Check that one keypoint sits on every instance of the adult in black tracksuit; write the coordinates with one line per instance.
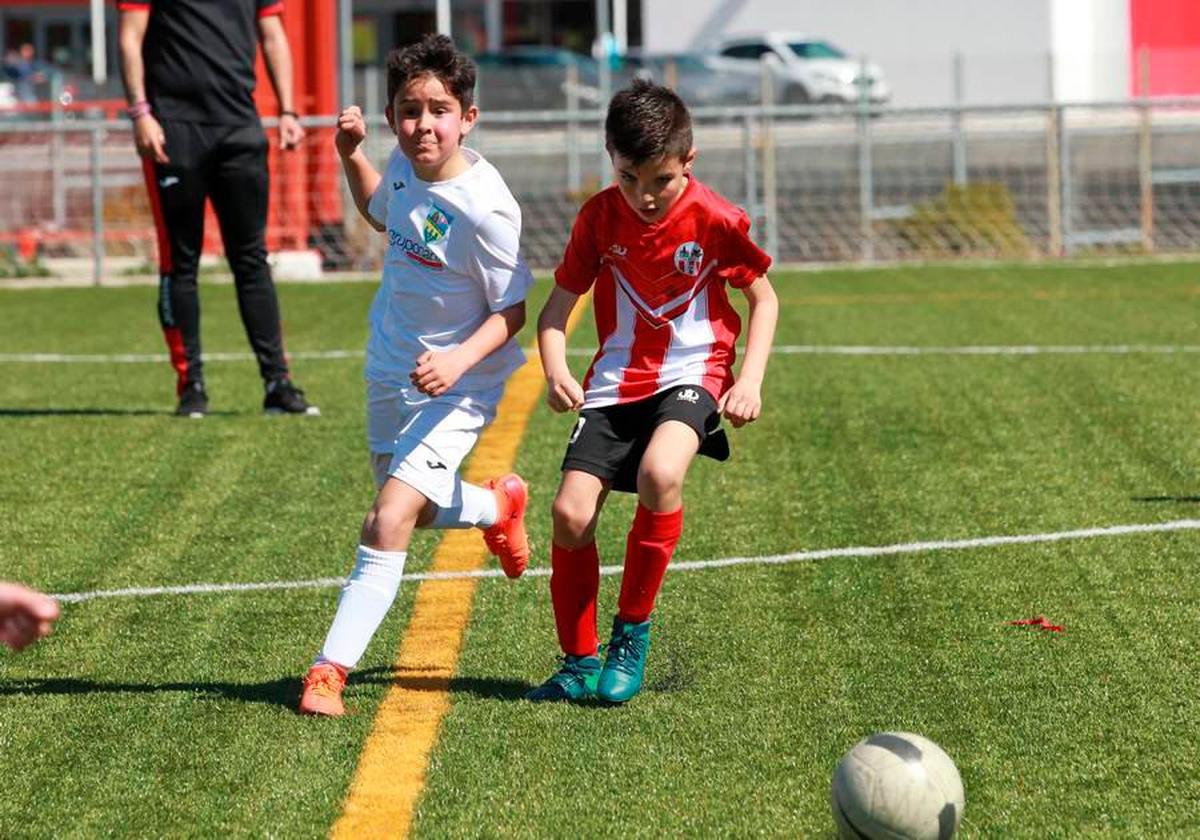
(188, 67)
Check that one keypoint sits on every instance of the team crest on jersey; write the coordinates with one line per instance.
(688, 258)
(437, 224)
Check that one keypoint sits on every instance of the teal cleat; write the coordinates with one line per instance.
(625, 662)
(575, 680)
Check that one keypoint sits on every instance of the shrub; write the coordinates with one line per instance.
(977, 219)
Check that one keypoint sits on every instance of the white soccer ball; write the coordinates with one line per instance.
(897, 785)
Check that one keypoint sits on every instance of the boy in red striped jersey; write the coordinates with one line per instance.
(657, 250)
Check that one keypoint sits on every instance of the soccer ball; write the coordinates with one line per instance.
(897, 785)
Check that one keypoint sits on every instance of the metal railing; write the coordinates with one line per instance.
(821, 183)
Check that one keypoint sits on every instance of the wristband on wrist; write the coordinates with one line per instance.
(138, 110)
(292, 114)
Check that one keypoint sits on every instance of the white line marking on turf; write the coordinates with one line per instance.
(683, 566)
(781, 349)
(157, 358)
(984, 350)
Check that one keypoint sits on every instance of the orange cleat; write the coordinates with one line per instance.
(323, 690)
(506, 539)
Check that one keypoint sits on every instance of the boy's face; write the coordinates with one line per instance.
(429, 124)
(653, 186)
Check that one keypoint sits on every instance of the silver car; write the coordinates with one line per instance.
(698, 78)
(805, 69)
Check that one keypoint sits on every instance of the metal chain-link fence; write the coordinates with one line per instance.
(821, 184)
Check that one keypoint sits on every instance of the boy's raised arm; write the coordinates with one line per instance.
(563, 393)
(361, 175)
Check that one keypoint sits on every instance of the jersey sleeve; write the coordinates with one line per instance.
(581, 260)
(743, 262)
(266, 8)
(377, 205)
(495, 260)
(133, 5)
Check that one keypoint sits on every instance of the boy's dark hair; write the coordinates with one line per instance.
(433, 55)
(647, 121)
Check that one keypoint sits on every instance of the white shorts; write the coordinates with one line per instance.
(425, 444)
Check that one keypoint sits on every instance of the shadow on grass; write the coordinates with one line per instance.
(487, 688)
(284, 691)
(1177, 499)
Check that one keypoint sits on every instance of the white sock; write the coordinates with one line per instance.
(473, 507)
(365, 600)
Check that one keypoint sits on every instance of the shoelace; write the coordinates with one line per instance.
(284, 387)
(569, 673)
(626, 647)
(325, 683)
(496, 541)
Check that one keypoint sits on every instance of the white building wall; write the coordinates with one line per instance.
(1091, 49)
(1005, 46)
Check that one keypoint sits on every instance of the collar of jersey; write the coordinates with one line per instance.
(473, 158)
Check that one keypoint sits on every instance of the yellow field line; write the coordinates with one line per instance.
(391, 770)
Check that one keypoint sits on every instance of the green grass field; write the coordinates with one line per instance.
(172, 715)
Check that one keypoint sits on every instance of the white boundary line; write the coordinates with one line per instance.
(781, 349)
(686, 566)
(158, 358)
(984, 350)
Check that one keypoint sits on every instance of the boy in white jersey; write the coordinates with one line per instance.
(441, 343)
(657, 250)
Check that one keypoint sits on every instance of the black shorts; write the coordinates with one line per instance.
(609, 442)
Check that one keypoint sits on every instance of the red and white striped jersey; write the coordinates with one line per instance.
(663, 316)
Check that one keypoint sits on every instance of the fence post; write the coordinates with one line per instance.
(1066, 198)
(960, 140)
(750, 168)
(97, 166)
(57, 175)
(370, 76)
(574, 164)
(1145, 151)
(770, 186)
(603, 54)
(1054, 126)
(866, 183)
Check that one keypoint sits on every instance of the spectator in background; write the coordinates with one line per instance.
(25, 615)
(24, 70)
(188, 68)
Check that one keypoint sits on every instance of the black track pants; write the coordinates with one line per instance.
(227, 164)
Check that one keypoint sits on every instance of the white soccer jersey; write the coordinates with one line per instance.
(452, 260)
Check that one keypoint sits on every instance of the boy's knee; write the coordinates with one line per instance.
(385, 526)
(573, 523)
(659, 480)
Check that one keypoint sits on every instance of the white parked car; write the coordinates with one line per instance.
(806, 69)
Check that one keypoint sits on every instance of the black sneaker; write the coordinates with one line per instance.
(285, 398)
(193, 401)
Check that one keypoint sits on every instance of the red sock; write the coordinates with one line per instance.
(574, 585)
(648, 549)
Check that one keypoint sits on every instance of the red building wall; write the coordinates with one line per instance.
(305, 193)
(1168, 32)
